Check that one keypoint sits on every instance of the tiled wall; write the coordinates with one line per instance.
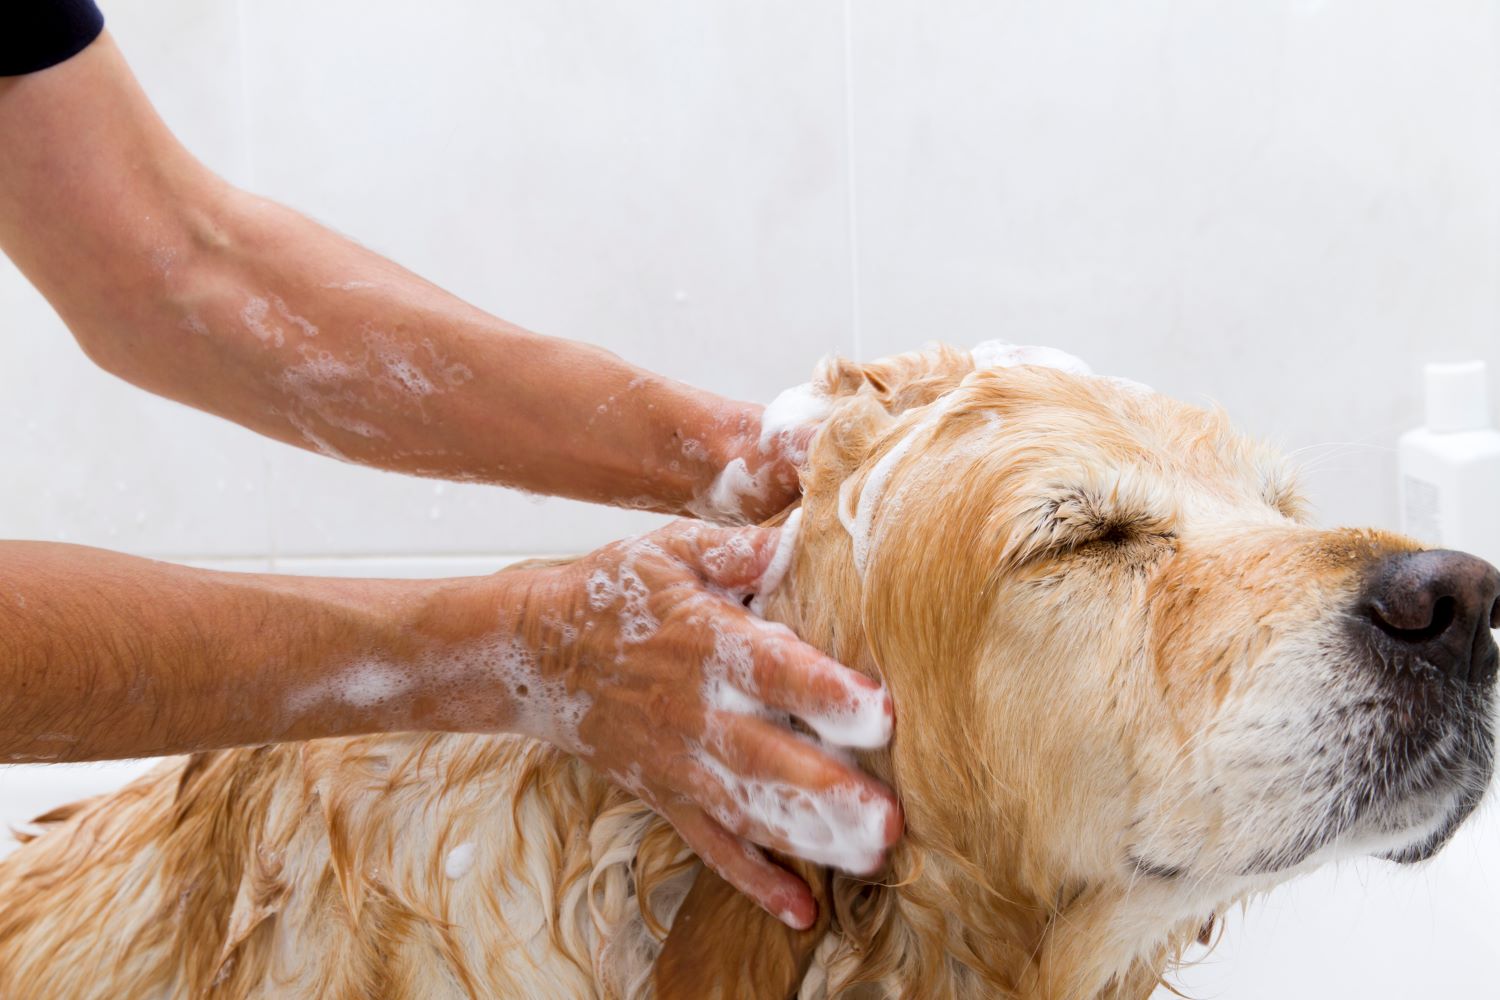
(1281, 206)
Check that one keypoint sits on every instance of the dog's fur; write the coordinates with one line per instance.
(1126, 694)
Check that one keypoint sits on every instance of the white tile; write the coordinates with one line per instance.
(665, 179)
(1283, 207)
(186, 54)
(324, 507)
(88, 458)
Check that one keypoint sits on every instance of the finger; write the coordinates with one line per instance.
(844, 707)
(732, 558)
(776, 890)
(759, 780)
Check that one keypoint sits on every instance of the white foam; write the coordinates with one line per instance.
(842, 826)
(637, 623)
(543, 707)
(717, 559)
(363, 685)
(864, 724)
(395, 361)
(793, 921)
(861, 520)
(253, 315)
(794, 408)
(780, 563)
(725, 499)
(998, 354)
(464, 678)
(307, 328)
(460, 860)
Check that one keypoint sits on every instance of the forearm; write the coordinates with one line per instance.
(179, 283)
(104, 655)
(288, 328)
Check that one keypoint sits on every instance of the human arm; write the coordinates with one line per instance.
(178, 282)
(638, 659)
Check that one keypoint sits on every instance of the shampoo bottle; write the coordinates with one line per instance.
(1450, 469)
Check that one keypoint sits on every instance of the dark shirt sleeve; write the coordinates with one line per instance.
(35, 34)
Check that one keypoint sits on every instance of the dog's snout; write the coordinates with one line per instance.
(1438, 607)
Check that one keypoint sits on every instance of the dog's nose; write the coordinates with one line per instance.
(1438, 608)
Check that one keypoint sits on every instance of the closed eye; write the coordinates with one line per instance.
(1072, 518)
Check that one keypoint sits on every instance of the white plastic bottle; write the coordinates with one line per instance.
(1450, 469)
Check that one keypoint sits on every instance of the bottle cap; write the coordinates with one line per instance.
(1457, 397)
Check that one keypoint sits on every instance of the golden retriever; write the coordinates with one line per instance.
(1133, 685)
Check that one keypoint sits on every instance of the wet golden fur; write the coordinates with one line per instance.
(1068, 581)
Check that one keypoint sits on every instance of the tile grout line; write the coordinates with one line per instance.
(849, 178)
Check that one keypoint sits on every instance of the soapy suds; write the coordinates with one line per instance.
(794, 408)
(998, 354)
(254, 315)
(725, 500)
(729, 682)
(326, 387)
(861, 520)
(348, 286)
(841, 826)
(399, 370)
(307, 328)
(463, 679)
(363, 685)
(459, 861)
(780, 562)
(636, 621)
(194, 324)
(717, 559)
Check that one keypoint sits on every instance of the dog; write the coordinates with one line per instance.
(1133, 684)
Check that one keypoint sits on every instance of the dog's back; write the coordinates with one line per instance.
(344, 868)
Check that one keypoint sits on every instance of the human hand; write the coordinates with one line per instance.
(652, 670)
(761, 451)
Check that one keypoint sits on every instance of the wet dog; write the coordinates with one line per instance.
(1133, 685)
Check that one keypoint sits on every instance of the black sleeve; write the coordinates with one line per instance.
(35, 34)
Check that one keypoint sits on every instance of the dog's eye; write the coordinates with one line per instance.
(1075, 518)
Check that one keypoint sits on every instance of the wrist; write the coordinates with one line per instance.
(476, 652)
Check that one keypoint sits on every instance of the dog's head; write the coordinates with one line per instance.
(1132, 681)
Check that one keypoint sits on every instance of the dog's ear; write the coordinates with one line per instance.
(867, 397)
(724, 947)
(898, 382)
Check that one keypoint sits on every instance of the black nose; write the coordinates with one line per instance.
(1436, 610)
